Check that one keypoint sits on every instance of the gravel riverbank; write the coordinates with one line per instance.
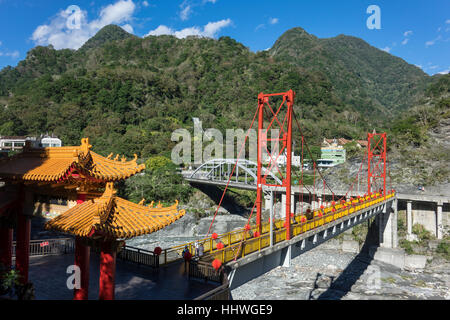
(333, 274)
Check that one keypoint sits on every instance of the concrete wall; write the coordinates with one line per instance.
(425, 213)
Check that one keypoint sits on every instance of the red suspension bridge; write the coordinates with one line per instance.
(275, 242)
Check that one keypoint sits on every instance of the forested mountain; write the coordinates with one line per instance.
(128, 93)
(373, 81)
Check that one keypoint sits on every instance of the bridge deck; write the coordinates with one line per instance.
(240, 243)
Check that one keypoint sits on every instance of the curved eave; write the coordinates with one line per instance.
(126, 219)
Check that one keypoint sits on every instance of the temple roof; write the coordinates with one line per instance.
(113, 217)
(57, 163)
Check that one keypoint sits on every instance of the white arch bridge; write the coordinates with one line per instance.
(218, 171)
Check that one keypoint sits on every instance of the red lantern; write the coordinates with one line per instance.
(308, 210)
(333, 209)
(319, 214)
(214, 236)
(216, 264)
(321, 207)
(333, 203)
(247, 227)
(157, 251)
(219, 246)
(256, 234)
(303, 219)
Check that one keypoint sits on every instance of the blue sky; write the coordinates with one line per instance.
(417, 31)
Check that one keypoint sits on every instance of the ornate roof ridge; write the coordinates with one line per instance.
(52, 163)
(112, 216)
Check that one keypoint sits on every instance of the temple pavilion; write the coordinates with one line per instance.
(76, 186)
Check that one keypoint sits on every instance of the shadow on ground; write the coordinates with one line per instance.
(343, 283)
(228, 203)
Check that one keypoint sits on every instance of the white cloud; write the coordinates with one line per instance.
(59, 33)
(14, 54)
(273, 20)
(445, 71)
(212, 28)
(212, 1)
(184, 14)
(160, 31)
(209, 30)
(387, 49)
(260, 26)
(432, 42)
(408, 33)
(447, 21)
(145, 3)
(119, 12)
(128, 28)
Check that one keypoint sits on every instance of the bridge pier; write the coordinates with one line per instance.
(409, 235)
(387, 224)
(439, 225)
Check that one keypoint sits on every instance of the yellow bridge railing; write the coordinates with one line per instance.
(239, 243)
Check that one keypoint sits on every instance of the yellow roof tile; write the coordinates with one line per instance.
(55, 163)
(114, 217)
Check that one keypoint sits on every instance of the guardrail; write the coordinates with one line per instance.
(253, 244)
(45, 247)
(233, 241)
(203, 270)
(207, 272)
(139, 256)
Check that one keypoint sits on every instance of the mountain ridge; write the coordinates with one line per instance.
(354, 65)
(122, 90)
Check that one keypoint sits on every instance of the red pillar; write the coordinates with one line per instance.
(259, 161)
(23, 246)
(107, 270)
(369, 157)
(384, 165)
(290, 104)
(82, 253)
(6, 237)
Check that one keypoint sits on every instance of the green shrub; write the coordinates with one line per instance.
(444, 249)
(407, 245)
(421, 232)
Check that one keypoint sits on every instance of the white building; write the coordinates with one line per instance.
(15, 143)
(50, 142)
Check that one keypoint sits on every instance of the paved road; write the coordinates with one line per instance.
(133, 282)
